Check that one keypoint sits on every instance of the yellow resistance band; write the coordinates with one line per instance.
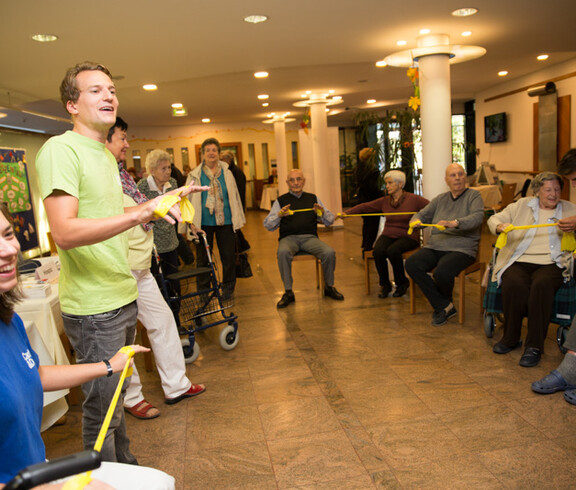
(290, 212)
(568, 242)
(419, 223)
(166, 203)
(78, 482)
(340, 215)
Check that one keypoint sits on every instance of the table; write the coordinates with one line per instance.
(269, 195)
(491, 194)
(55, 405)
(45, 314)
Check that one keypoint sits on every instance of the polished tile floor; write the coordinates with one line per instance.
(352, 394)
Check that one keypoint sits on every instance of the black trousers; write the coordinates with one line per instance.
(437, 288)
(392, 249)
(226, 241)
(528, 291)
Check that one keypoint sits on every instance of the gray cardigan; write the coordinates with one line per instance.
(468, 209)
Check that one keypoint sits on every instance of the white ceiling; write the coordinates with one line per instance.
(202, 54)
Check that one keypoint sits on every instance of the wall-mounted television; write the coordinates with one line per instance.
(495, 128)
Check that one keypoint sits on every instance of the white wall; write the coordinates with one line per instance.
(516, 152)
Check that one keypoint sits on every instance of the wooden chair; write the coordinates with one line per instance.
(461, 281)
(319, 274)
(508, 193)
(369, 256)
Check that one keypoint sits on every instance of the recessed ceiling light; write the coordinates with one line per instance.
(265, 104)
(308, 92)
(465, 12)
(177, 105)
(542, 57)
(44, 38)
(181, 112)
(502, 73)
(150, 86)
(424, 31)
(206, 120)
(261, 74)
(337, 97)
(381, 63)
(331, 91)
(255, 19)
(263, 96)
(371, 101)
(467, 33)
(401, 43)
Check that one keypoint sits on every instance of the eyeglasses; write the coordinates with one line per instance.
(296, 179)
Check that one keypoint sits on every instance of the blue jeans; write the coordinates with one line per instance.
(94, 338)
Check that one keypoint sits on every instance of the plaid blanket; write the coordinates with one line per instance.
(564, 302)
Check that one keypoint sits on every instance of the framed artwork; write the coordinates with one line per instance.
(235, 148)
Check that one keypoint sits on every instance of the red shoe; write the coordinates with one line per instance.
(143, 410)
(193, 391)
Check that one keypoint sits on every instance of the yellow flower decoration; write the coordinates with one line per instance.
(414, 103)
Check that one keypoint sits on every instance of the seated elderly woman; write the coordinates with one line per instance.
(394, 240)
(158, 182)
(531, 267)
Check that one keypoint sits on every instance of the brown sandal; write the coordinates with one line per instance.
(143, 410)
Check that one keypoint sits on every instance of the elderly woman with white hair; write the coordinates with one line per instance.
(394, 239)
(159, 182)
(532, 266)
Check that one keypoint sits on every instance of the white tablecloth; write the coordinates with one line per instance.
(45, 314)
(269, 195)
(54, 402)
(491, 194)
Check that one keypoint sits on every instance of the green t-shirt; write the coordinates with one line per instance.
(93, 278)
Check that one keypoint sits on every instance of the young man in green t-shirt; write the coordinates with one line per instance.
(82, 195)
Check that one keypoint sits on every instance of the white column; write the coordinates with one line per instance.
(319, 123)
(281, 156)
(435, 116)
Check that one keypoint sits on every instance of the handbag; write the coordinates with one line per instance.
(243, 268)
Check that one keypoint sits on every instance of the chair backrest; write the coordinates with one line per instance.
(508, 192)
(524, 190)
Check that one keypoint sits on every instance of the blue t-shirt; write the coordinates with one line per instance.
(21, 402)
(207, 218)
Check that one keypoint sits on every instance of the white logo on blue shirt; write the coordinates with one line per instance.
(28, 358)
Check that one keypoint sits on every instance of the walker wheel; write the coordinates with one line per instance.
(190, 353)
(489, 325)
(561, 338)
(229, 337)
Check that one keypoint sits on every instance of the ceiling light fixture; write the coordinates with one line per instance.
(261, 74)
(177, 105)
(150, 87)
(542, 57)
(263, 96)
(381, 63)
(180, 112)
(467, 33)
(401, 43)
(465, 12)
(423, 32)
(265, 104)
(45, 38)
(502, 73)
(206, 120)
(255, 19)
(371, 101)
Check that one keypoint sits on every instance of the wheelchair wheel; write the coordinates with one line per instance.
(191, 353)
(229, 337)
(561, 333)
(489, 324)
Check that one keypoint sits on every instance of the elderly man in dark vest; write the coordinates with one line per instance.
(297, 214)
